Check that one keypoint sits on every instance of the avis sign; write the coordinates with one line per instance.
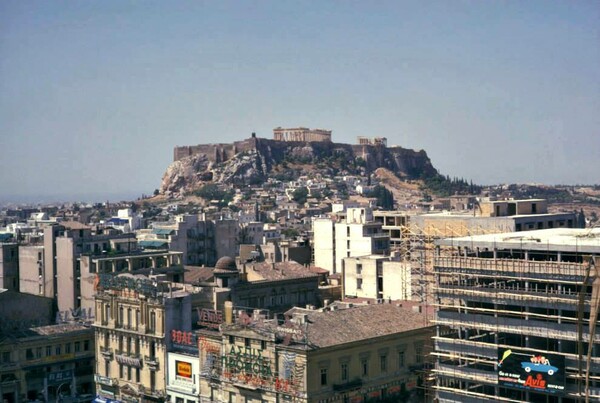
(524, 370)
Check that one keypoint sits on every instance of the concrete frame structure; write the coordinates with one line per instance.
(533, 294)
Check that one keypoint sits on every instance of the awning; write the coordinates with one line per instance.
(153, 244)
(162, 231)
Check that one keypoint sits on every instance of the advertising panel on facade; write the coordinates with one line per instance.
(183, 369)
(532, 371)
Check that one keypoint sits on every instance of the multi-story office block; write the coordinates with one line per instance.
(517, 318)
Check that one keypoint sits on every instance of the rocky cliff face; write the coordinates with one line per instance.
(255, 164)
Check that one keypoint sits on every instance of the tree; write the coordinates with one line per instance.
(385, 198)
(299, 195)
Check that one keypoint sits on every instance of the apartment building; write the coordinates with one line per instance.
(517, 318)
(355, 234)
(376, 277)
(9, 266)
(54, 269)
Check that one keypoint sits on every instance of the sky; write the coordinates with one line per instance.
(94, 95)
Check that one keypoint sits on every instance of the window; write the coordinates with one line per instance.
(121, 371)
(137, 375)
(178, 400)
(106, 368)
(247, 343)
(86, 345)
(29, 354)
(419, 354)
(120, 316)
(400, 359)
(57, 350)
(121, 343)
(263, 345)
(383, 363)
(344, 371)
(359, 283)
(128, 373)
(129, 322)
(38, 352)
(323, 376)
(231, 340)
(137, 318)
(365, 367)
(48, 351)
(359, 268)
(152, 321)
(77, 346)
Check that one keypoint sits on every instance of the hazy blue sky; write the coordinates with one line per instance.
(95, 94)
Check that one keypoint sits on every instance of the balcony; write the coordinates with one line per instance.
(350, 385)
(151, 362)
(106, 352)
(130, 359)
(104, 380)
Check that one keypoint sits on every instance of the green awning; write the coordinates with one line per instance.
(163, 231)
(153, 244)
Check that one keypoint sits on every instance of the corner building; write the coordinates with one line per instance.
(343, 354)
(134, 314)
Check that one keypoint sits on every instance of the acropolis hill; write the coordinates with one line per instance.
(253, 159)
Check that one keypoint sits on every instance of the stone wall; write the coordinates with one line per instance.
(215, 152)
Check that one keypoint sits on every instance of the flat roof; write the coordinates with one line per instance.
(579, 240)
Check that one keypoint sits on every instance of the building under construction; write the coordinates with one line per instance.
(516, 317)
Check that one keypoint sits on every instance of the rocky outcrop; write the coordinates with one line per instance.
(256, 162)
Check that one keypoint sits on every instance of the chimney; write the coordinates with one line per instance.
(228, 312)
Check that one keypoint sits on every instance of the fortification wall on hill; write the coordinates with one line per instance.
(215, 152)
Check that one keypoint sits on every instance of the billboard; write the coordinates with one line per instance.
(183, 369)
(520, 369)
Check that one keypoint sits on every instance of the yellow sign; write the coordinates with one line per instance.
(184, 369)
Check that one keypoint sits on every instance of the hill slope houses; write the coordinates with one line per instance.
(255, 159)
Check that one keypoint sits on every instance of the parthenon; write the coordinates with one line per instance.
(301, 134)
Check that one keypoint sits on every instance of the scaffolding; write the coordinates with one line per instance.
(486, 305)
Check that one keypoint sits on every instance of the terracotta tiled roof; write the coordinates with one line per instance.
(360, 323)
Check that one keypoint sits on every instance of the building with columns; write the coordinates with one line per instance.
(302, 134)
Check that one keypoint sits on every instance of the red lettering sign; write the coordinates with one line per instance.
(179, 337)
(538, 382)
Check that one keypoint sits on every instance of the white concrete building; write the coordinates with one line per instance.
(376, 277)
(354, 235)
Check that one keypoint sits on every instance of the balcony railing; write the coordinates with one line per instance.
(106, 352)
(151, 362)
